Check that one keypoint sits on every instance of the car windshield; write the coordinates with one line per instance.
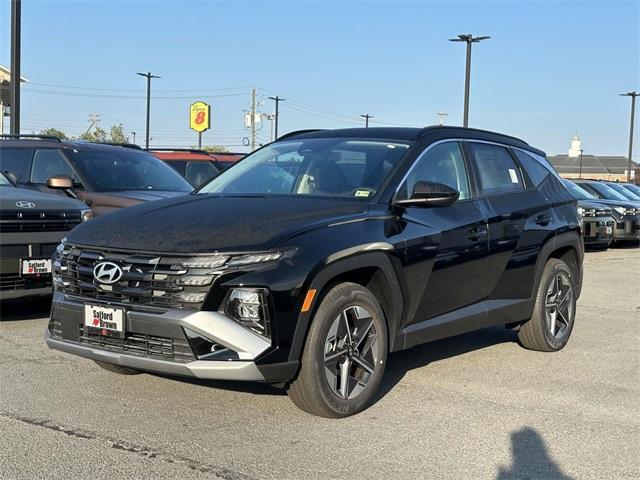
(605, 191)
(331, 167)
(578, 192)
(4, 181)
(119, 169)
(624, 192)
(634, 188)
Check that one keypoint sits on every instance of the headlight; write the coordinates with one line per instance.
(212, 261)
(86, 214)
(57, 266)
(250, 259)
(620, 210)
(580, 211)
(249, 308)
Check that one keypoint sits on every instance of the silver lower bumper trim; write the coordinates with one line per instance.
(205, 369)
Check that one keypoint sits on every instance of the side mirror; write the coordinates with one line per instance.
(12, 177)
(430, 194)
(62, 182)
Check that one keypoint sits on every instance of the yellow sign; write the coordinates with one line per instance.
(200, 117)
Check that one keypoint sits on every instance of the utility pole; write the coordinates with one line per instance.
(633, 96)
(277, 99)
(468, 39)
(442, 115)
(15, 66)
(94, 119)
(580, 171)
(366, 117)
(134, 137)
(253, 119)
(148, 76)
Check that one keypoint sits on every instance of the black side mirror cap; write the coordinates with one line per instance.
(430, 194)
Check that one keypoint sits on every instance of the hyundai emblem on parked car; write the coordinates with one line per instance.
(25, 204)
(107, 272)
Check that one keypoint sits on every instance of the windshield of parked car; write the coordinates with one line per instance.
(330, 167)
(634, 188)
(605, 191)
(112, 169)
(624, 192)
(4, 181)
(578, 192)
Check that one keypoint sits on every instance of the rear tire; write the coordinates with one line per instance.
(117, 368)
(344, 356)
(554, 312)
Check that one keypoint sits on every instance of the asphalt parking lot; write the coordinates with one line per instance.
(477, 406)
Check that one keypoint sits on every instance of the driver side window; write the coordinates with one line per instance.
(48, 163)
(444, 164)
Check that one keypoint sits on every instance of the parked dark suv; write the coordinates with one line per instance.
(105, 177)
(311, 259)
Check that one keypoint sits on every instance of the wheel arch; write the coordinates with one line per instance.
(374, 271)
(567, 247)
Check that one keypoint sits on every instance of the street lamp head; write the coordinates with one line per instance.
(467, 37)
(630, 94)
(478, 39)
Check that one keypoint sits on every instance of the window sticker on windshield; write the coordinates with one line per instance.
(362, 193)
(513, 175)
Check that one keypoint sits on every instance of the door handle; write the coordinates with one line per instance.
(543, 220)
(476, 234)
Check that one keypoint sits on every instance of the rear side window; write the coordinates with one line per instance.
(17, 161)
(537, 173)
(177, 165)
(48, 163)
(197, 172)
(497, 171)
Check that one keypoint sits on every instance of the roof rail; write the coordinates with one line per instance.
(30, 136)
(119, 144)
(431, 128)
(298, 132)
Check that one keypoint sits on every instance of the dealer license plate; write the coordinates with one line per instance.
(609, 230)
(34, 266)
(104, 320)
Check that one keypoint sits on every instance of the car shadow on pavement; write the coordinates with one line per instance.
(255, 388)
(530, 459)
(399, 363)
(33, 308)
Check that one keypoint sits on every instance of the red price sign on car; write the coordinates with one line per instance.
(199, 117)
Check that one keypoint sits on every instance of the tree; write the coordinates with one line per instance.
(54, 132)
(96, 135)
(117, 135)
(214, 149)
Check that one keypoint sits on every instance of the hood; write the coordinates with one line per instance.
(208, 223)
(43, 201)
(589, 204)
(617, 203)
(145, 195)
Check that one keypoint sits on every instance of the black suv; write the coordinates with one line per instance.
(311, 259)
(31, 227)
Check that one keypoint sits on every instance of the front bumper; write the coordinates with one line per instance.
(598, 230)
(627, 229)
(149, 329)
(25, 293)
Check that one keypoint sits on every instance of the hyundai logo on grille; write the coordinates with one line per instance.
(107, 272)
(25, 204)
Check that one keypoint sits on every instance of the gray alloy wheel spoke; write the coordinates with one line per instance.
(559, 305)
(350, 352)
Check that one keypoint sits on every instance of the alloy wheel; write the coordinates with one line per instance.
(559, 305)
(351, 352)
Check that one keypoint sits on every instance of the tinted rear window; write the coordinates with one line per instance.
(17, 161)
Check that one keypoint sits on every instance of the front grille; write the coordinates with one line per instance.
(153, 280)
(38, 221)
(137, 344)
(13, 281)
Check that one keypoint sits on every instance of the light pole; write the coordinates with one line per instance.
(148, 76)
(134, 137)
(366, 117)
(633, 96)
(277, 99)
(469, 39)
(580, 171)
(14, 101)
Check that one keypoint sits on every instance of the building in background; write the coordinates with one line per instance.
(577, 164)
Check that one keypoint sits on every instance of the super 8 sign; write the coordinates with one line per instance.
(199, 116)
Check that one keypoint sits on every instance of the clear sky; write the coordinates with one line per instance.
(550, 69)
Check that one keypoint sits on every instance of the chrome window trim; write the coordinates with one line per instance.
(458, 140)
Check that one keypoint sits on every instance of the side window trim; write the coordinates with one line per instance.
(467, 166)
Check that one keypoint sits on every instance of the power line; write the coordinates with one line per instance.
(97, 95)
(78, 87)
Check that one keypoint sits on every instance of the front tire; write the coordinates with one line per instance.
(344, 356)
(554, 312)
